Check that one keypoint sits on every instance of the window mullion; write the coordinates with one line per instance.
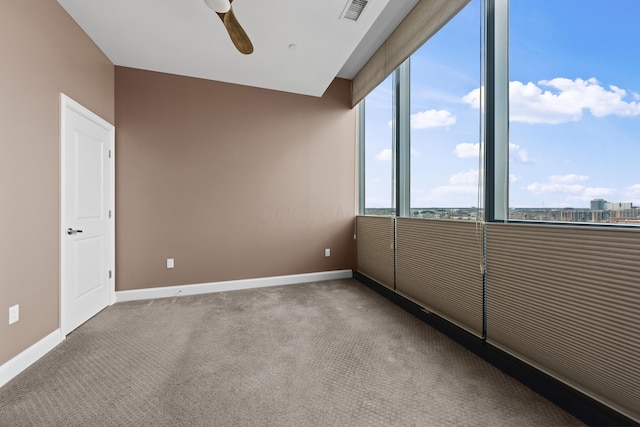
(402, 134)
(497, 112)
(361, 158)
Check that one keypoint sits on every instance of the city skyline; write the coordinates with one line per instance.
(600, 211)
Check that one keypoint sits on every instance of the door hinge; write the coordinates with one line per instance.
(109, 153)
(109, 214)
(109, 274)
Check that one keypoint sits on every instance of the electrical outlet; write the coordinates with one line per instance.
(327, 252)
(170, 263)
(14, 314)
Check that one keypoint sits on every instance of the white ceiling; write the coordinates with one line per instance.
(185, 37)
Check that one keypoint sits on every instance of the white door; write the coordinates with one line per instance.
(87, 232)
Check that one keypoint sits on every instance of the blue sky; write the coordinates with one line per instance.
(574, 100)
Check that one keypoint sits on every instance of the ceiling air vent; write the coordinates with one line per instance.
(354, 9)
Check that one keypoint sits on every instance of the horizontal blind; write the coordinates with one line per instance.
(567, 300)
(439, 265)
(424, 20)
(375, 245)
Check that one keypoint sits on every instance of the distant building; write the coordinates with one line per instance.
(598, 204)
(617, 206)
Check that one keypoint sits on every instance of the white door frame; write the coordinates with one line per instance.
(67, 103)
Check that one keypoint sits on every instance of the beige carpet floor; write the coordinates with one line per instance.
(330, 353)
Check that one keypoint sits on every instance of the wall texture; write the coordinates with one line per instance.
(233, 182)
(42, 52)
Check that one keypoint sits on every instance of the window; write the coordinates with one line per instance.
(574, 120)
(422, 128)
(378, 150)
(445, 121)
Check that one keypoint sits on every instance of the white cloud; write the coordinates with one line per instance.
(563, 100)
(431, 119)
(445, 190)
(474, 98)
(633, 189)
(461, 190)
(632, 193)
(567, 179)
(513, 178)
(560, 184)
(469, 177)
(597, 192)
(518, 154)
(378, 202)
(571, 186)
(460, 183)
(591, 193)
(384, 155)
(467, 150)
(555, 187)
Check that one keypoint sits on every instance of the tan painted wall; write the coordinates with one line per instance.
(42, 52)
(233, 182)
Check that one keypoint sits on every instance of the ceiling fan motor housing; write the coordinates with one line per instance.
(220, 6)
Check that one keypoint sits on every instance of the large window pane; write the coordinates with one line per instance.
(574, 111)
(378, 148)
(445, 120)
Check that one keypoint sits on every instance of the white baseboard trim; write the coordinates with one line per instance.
(231, 285)
(29, 356)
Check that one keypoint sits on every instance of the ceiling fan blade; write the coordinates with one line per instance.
(236, 32)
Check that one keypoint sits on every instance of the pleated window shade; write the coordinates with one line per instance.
(439, 266)
(567, 300)
(375, 245)
(424, 20)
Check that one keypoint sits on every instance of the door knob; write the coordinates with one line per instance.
(72, 231)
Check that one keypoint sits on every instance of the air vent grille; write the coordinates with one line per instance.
(354, 9)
